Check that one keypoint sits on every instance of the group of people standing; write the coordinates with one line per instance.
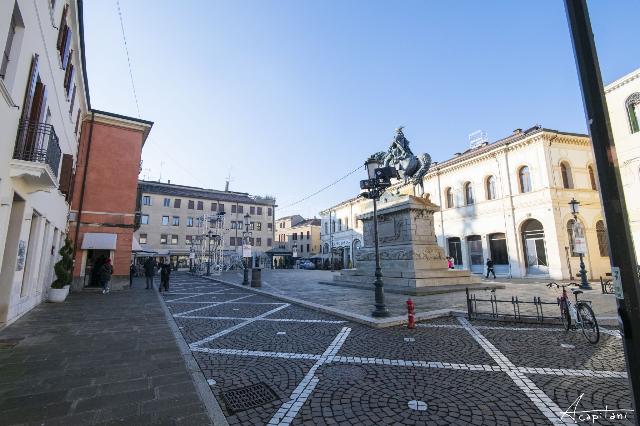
(150, 266)
(490, 268)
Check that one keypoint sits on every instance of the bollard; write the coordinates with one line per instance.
(245, 278)
(411, 323)
(256, 274)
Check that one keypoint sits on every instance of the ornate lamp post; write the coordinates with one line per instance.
(209, 238)
(379, 180)
(245, 239)
(575, 209)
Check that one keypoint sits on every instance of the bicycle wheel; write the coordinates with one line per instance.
(564, 315)
(588, 323)
(608, 287)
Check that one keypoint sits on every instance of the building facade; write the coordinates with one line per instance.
(298, 236)
(623, 103)
(341, 231)
(104, 195)
(44, 96)
(175, 218)
(508, 201)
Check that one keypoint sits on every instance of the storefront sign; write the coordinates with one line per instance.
(579, 240)
(246, 250)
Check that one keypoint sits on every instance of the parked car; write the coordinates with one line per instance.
(307, 264)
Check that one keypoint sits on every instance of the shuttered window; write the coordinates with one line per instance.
(66, 176)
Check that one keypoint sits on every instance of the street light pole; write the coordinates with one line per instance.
(584, 284)
(621, 250)
(381, 309)
(245, 238)
(331, 240)
(209, 236)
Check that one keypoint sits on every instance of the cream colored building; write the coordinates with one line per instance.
(174, 216)
(507, 200)
(342, 232)
(297, 234)
(623, 102)
(43, 95)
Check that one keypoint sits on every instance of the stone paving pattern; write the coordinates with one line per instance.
(97, 359)
(479, 372)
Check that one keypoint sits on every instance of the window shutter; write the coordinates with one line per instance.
(70, 81)
(66, 52)
(31, 88)
(66, 175)
(61, 28)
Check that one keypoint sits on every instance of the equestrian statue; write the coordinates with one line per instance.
(399, 155)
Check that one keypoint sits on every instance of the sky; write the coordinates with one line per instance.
(289, 96)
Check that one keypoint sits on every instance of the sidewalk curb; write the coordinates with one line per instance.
(362, 319)
(202, 387)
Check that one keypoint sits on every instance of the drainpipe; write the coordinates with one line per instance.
(84, 181)
(513, 218)
(444, 245)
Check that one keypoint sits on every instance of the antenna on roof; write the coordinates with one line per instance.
(228, 180)
(477, 138)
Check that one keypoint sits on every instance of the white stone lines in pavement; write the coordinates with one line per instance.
(244, 352)
(614, 333)
(264, 319)
(194, 295)
(213, 301)
(550, 409)
(235, 327)
(288, 411)
(212, 304)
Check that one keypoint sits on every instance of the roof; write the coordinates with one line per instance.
(307, 222)
(288, 217)
(161, 188)
(625, 79)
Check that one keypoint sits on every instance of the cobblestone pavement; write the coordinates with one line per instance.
(320, 369)
(96, 359)
(305, 285)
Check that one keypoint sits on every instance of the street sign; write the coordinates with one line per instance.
(246, 250)
(579, 240)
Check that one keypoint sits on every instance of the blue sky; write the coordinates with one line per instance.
(287, 96)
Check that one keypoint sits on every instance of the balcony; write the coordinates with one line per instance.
(36, 157)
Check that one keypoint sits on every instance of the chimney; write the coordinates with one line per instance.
(169, 181)
(226, 186)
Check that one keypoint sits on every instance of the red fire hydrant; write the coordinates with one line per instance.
(410, 309)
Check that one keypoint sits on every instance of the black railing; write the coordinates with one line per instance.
(38, 142)
(509, 310)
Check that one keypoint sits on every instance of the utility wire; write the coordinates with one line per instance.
(321, 189)
(126, 49)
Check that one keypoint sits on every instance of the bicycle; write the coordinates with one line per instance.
(580, 313)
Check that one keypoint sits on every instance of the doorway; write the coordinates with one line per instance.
(474, 245)
(535, 251)
(455, 251)
(95, 259)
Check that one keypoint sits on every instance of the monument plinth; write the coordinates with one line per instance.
(410, 256)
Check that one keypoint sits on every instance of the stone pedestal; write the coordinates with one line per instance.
(410, 256)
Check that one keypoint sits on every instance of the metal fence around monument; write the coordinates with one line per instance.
(514, 309)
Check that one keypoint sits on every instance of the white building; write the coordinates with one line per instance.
(508, 201)
(43, 97)
(340, 230)
(623, 102)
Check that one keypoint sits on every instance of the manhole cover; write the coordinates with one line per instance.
(343, 373)
(249, 397)
(10, 342)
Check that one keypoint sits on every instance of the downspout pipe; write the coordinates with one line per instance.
(84, 184)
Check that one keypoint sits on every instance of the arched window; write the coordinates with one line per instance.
(325, 249)
(448, 195)
(592, 178)
(524, 178)
(468, 193)
(491, 188)
(567, 179)
(603, 240)
(633, 111)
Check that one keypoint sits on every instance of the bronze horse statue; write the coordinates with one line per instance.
(399, 155)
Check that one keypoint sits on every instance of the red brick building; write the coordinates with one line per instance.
(103, 204)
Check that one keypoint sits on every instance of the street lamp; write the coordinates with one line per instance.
(379, 180)
(210, 237)
(245, 239)
(575, 209)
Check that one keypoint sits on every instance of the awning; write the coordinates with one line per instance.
(135, 245)
(95, 241)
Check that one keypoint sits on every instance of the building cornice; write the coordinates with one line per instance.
(622, 81)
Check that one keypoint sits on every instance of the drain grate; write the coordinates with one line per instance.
(10, 342)
(249, 397)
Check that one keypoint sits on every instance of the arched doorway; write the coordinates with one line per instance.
(356, 245)
(535, 250)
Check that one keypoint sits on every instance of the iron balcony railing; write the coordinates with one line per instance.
(38, 142)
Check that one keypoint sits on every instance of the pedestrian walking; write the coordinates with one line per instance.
(132, 273)
(106, 270)
(490, 268)
(165, 271)
(450, 262)
(149, 272)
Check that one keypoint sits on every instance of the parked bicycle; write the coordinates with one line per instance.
(578, 314)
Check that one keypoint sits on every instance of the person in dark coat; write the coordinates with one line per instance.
(132, 273)
(165, 271)
(106, 270)
(490, 268)
(149, 272)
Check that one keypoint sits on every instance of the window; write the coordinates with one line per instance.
(252, 210)
(592, 178)
(220, 208)
(187, 240)
(326, 228)
(73, 100)
(166, 202)
(269, 242)
(146, 200)
(176, 203)
(143, 239)
(308, 235)
(294, 236)
(259, 241)
(448, 196)
(232, 241)
(346, 223)
(468, 193)
(307, 248)
(258, 226)
(524, 178)
(301, 248)
(491, 188)
(214, 207)
(189, 221)
(333, 226)
(165, 220)
(567, 179)
(603, 239)
(240, 209)
(68, 76)
(339, 224)
(498, 249)
(163, 238)
(174, 239)
(251, 241)
(233, 208)
(633, 112)
(176, 221)
(270, 226)
(252, 226)
(259, 210)
(269, 211)
(200, 205)
(144, 219)
(199, 221)
(191, 204)
(233, 225)
(63, 43)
